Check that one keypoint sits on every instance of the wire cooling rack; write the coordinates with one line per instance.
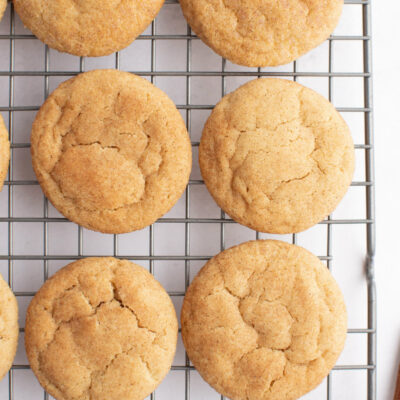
(35, 240)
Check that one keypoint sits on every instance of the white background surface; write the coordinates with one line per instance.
(386, 35)
(348, 243)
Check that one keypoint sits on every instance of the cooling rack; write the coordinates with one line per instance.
(35, 240)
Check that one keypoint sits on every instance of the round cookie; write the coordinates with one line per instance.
(87, 27)
(264, 320)
(3, 6)
(4, 152)
(99, 329)
(111, 151)
(276, 156)
(8, 327)
(263, 32)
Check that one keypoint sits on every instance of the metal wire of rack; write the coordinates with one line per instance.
(187, 220)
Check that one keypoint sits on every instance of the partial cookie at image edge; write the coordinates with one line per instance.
(3, 6)
(89, 28)
(266, 33)
(101, 328)
(264, 320)
(4, 152)
(9, 329)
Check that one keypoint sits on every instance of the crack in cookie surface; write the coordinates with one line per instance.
(264, 320)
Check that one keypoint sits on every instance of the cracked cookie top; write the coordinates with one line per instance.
(101, 329)
(259, 33)
(8, 327)
(276, 156)
(87, 27)
(264, 320)
(111, 151)
(4, 152)
(3, 6)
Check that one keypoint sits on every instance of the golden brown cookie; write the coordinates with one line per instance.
(3, 6)
(264, 320)
(111, 151)
(276, 156)
(8, 327)
(101, 329)
(263, 32)
(4, 152)
(87, 27)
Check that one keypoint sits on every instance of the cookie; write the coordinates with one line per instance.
(8, 327)
(264, 32)
(264, 320)
(99, 329)
(276, 156)
(4, 152)
(87, 27)
(3, 6)
(111, 151)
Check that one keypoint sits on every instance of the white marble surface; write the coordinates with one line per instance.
(348, 241)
